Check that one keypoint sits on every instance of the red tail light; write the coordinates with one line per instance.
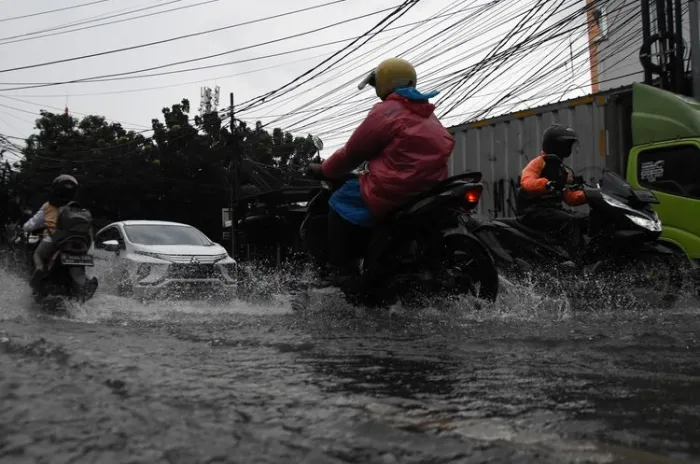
(473, 196)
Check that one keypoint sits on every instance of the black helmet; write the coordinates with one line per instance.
(558, 140)
(64, 187)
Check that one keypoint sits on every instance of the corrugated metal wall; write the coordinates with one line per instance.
(501, 147)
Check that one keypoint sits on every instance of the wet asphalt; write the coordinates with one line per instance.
(525, 381)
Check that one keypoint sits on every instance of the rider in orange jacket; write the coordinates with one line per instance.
(543, 187)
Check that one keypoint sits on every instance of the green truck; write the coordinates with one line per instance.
(665, 158)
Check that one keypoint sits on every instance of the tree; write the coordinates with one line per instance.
(182, 173)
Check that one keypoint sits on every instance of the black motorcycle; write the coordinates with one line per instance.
(66, 276)
(620, 244)
(423, 249)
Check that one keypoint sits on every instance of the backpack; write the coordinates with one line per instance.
(73, 221)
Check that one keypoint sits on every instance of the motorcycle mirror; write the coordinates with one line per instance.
(318, 143)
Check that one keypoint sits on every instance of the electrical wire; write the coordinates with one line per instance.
(441, 50)
(341, 91)
(383, 24)
(181, 84)
(535, 44)
(73, 7)
(249, 47)
(278, 121)
(421, 22)
(39, 34)
(171, 39)
(124, 123)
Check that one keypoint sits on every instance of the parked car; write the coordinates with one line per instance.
(156, 259)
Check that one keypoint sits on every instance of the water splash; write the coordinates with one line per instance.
(16, 296)
(268, 292)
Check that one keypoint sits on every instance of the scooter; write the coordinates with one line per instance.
(423, 249)
(620, 239)
(66, 272)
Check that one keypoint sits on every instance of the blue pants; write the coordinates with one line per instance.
(347, 201)
(350, 226)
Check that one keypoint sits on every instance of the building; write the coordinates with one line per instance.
(615, 37)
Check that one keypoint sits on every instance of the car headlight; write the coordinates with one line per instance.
(648, 224)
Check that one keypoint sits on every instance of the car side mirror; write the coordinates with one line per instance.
(111, 245)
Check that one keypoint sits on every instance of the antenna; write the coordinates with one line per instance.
(216, 97)
(205, 101)
(208, 103)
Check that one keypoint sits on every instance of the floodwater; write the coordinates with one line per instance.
(525, 381)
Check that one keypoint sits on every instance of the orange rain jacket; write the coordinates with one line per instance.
(534, 182)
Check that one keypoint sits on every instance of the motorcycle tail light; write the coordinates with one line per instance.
(473, 195)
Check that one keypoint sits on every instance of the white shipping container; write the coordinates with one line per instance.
(501, 147)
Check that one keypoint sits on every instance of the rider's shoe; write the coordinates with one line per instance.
(36, 279)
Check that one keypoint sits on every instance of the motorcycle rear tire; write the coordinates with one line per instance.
(483, 272)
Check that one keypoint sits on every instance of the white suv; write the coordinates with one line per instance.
(154, 259)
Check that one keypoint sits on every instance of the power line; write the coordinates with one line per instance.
(75, 112)
(475, 32)
(540, 4)
(341, 92)
(248, 47)
(426, 44)
(171, 39)
(62, 95)
(40, 84)
(95, 2)
(36, 34)
(521, 48)
(181, 84)
(400, 10)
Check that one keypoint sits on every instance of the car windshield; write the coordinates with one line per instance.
(165, 235)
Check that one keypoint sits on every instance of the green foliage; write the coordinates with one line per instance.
(182, 173)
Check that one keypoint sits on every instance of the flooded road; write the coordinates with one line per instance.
(523, 382)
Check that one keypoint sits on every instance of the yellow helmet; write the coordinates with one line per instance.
(390, 75)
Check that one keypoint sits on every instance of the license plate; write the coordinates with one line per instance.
(645, 196)
(76, 260)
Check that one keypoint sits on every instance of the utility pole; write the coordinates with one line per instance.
(681, 86)
(694, 9)
(646, 33)
(234, 181)
(663, 50)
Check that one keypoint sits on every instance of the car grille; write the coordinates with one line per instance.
(187, 259)
(193, 271)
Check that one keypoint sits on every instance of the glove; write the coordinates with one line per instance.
(554, 186)
(314, 170)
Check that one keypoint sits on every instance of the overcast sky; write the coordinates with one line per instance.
(134, 102)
